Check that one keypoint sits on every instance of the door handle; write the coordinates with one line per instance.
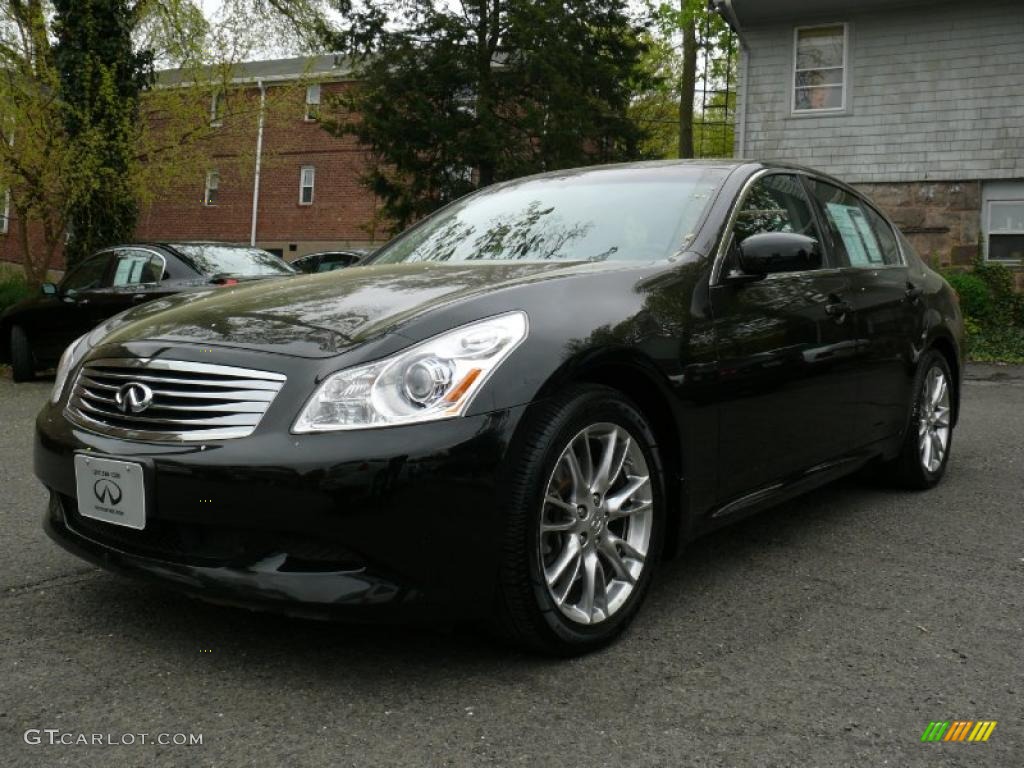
(838, 309)
(914, 292)
(138, 297)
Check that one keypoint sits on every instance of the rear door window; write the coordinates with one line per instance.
(136, 268)
(858, 233)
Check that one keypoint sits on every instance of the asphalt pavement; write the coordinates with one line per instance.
(827, 632)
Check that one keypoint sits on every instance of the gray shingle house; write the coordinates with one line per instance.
(921, 104)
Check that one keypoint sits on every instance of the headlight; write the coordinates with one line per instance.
(436, 379)
(76, 351)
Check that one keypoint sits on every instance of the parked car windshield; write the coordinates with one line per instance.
(233, 260)
(621, 214)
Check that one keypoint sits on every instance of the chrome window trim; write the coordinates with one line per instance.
(726, 235)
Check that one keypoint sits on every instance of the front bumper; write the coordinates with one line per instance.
(402, 521)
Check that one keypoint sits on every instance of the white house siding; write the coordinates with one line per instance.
(936, 94)
(935, 109)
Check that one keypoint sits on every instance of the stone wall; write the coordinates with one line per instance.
(941, 219)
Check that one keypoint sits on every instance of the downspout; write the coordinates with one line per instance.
(726, 10)
(259, 163)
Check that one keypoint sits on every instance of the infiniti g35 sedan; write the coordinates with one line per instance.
(515, 409)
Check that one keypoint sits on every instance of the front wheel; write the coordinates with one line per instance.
(22, 362)
(585, 522)
(925, 454)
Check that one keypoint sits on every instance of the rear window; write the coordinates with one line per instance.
(233, 261)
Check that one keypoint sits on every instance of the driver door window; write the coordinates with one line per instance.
(775, 203)
(90, 275)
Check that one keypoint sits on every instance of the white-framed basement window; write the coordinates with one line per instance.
(313, 102)
(820, 67)
(212, 189)
(307, 181)
(1005, 231)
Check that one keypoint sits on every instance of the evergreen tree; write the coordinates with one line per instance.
(101, 80)
(457, 95)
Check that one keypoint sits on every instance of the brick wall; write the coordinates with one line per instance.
(342, 213)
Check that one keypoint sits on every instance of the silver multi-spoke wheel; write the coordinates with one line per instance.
(596, 523)
(934, 424)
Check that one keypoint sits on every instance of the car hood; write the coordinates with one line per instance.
(324, 314)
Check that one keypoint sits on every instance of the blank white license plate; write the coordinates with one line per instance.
(111, 491)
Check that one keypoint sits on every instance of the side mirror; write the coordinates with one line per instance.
(771, 252)
(49, 289)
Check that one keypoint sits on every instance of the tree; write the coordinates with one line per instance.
(102, 78)
(689, 44)
(78, 152)
(452, 96)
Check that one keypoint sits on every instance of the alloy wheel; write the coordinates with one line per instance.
(934, 424)
(596, 523)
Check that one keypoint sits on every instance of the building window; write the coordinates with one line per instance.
(217, 109)
(820, 66)
(5, 218)
(212, 188)
(307, 180)
(313, 102)
(1006, 231)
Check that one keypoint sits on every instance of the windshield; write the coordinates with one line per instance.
(635, 214)
(233, 261)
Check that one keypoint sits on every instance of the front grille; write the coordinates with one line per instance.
(189, 401)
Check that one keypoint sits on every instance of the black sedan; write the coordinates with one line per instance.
(34, 333)
(517, 408)
(328, 261)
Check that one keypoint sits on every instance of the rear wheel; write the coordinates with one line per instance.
(929, 439)
(22, 362)
(585, 521)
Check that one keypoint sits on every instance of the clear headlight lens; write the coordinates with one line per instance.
(76, 351)
(436, 379)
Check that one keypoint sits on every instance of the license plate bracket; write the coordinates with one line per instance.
(111, 490)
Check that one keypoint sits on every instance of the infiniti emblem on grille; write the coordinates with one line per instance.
(134, 397)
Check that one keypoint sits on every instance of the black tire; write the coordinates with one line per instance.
(908, 470)
(527, 614)
(23, 366)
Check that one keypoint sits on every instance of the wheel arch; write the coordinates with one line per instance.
(639, 379)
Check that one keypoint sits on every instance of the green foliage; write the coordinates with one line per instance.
(454, 97)
(101, 81)
(13, 288)
(993, 312)
(659, 107)
(997, 344)
(975, 296)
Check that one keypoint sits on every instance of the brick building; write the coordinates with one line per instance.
(921, 104)
(308, 197)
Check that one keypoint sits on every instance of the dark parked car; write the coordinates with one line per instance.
(328, 261)
(517, 408)
(35, 332)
